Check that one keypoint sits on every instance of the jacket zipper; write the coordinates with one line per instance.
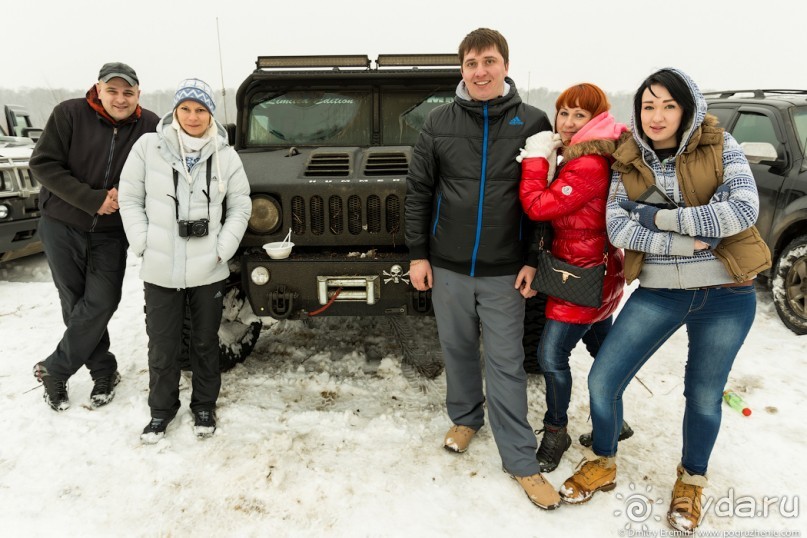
(481, 189)
(106, 172)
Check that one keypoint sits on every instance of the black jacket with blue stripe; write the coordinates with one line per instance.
(462, 207)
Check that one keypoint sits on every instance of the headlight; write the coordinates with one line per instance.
(260, 275)
(265, 217)
(3, 211)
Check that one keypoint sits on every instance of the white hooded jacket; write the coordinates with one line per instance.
(147, 207)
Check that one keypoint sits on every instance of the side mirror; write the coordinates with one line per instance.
(760, 152)
(230, 127)
(32, 132)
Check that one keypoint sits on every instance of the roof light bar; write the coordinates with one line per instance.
(265, 62)
(411, 60)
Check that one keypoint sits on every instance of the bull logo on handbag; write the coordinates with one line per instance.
(565, 274)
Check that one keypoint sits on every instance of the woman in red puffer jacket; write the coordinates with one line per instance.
(573, 203)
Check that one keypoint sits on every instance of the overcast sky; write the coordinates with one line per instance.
(736, 44)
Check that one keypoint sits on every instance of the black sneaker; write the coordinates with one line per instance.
(55, 389)
(554, 443)
(204, 423)
(587, 439)
(104, 389)
(154, 430)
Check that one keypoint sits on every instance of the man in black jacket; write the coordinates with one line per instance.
(78, 160)
(468, 242)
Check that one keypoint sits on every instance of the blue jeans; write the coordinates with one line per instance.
(717, 322)
(557, 342)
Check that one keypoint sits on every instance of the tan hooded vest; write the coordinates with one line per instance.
(699, 170)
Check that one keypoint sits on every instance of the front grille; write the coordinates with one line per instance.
(317, 215)
(27, 179)
(298, 215)
(386, 164)
(373, 214)
(393, 214)
(354, 215)
(328, 165)
(335, 215)
(361, 214)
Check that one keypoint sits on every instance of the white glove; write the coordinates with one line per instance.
(542, 144)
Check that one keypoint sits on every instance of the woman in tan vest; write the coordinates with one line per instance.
(695, 253)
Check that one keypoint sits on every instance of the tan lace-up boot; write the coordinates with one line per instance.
(596, 474)
(539, 490)
(458, 438)
(686, 504)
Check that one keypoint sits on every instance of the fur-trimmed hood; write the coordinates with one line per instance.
(590, 147)
(597, 137)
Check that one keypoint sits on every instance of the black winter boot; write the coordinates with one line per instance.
(103, 389)
(553, 444)
(55, 389)
(587, 438)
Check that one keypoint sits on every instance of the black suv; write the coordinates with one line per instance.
(771, 126)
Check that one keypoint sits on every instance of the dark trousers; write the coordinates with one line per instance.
(557, 342)
(165, 312)
(88, 270)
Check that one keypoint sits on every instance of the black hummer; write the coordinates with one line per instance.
(771, 126)
(326, 143)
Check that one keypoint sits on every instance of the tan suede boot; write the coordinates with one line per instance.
(686, 504)
(540, 492)
(458, 438)
(596, 474)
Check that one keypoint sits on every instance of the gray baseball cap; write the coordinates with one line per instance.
(118, 69)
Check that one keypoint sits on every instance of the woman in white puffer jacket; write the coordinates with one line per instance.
(184, 200)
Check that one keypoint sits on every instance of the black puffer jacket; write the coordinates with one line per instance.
(80, 156)
(462, 207)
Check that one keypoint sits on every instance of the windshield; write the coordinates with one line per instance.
(310, 118)
(340, 118)
(403, 113)
(800, 121)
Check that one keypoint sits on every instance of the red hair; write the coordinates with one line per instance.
(586, 96)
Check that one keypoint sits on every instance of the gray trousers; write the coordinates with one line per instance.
(461, 304)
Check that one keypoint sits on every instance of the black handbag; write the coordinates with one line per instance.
(579, 285)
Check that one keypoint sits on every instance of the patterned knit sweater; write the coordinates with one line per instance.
(670, 259)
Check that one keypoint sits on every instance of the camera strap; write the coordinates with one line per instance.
(208, 174)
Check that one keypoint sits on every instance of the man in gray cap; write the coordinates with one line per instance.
(78, 160)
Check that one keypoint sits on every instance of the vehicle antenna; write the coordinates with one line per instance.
(221, 70)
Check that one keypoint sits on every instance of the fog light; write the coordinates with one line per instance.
(259, 275)
(3, 211)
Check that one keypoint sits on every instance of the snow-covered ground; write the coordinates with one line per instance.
(315, 441)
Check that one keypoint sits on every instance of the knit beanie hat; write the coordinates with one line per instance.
(193, 89)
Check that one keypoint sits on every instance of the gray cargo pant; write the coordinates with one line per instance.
(461, 303)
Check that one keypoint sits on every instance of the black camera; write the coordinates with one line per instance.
(192, 228)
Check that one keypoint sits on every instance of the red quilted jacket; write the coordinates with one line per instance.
(574, 203)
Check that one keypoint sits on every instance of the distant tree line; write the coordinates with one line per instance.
(40, 102)
(621, 103)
